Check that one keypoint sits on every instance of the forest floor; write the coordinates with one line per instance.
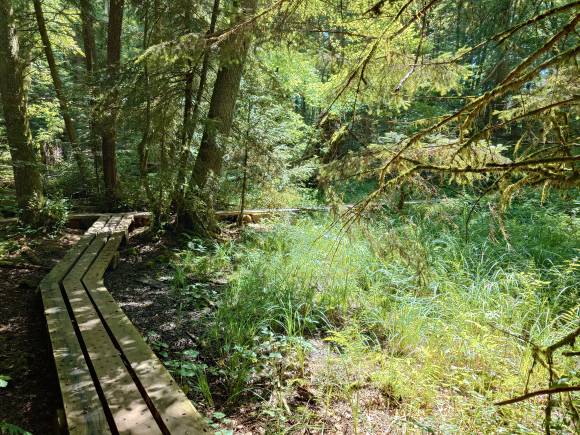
(31, 398)
(141, 286)
(285, 328)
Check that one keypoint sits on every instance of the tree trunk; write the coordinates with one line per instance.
(223, 100)
(143, 146)
(240, 219)
(190, 118)
(27, 178)
(91, 61)
(58, 89)
(244, 187)
(89, 44)
(186, 131)
(108, 123)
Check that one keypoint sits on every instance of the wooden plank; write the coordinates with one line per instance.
(59, 271)
(112, 224)
(95, 273)
(130, 411)
(63, 266)
(82, 405)
(99, 224)
(83, 409)
(176, 410)
(124, 225)
(81, 219)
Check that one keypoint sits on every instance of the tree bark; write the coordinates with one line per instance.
(223, 100)
(190, 117)
(89, 44)
(108, 123)
(58, 89)
(143, 146)
(25, 165)
(244, 187)
(91, 62)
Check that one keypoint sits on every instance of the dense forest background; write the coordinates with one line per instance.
(179, 107)
(441, 135)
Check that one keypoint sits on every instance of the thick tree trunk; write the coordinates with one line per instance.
(58, 89)
(108, 123)
(190, 117)
(26, 169)
(223, 100)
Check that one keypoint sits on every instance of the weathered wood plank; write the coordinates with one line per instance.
(62, 268)
(95, 273)
(176, 410)
(84, 220)
(130, 411)
(125, 224)
(112, 224)
(111, 340)
(82, 405)
(99, 224)
(174, 407)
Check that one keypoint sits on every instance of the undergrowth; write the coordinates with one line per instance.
(426, 310)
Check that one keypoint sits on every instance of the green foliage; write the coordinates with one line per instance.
(201, 262)
(407, 306)
(51, 216)
(11, 429)
(54, 213)
(4, 381)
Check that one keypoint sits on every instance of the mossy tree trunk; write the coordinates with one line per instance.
(191, 115)
(223, 100)
(25, 165)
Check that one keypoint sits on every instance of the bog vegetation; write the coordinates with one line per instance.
(430, 282)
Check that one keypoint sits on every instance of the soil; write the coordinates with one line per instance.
(32, 396)
(141, 285)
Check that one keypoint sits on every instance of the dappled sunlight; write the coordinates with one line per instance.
(304, 217)
(104, 362)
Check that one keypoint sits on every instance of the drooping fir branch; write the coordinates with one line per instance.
(478, 104)
(504, 35)
(529, 164)
(517, 76)
(360, 68)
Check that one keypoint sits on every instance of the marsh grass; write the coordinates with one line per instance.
(410, 305)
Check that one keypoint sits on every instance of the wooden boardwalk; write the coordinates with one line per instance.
(110, 380)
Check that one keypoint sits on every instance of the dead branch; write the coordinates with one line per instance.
(538, 393)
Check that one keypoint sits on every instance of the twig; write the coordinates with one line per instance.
(538, 393)
(568, 339)
(571, 353)
(417, 55)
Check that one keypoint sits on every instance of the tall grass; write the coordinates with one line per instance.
(410, 305)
